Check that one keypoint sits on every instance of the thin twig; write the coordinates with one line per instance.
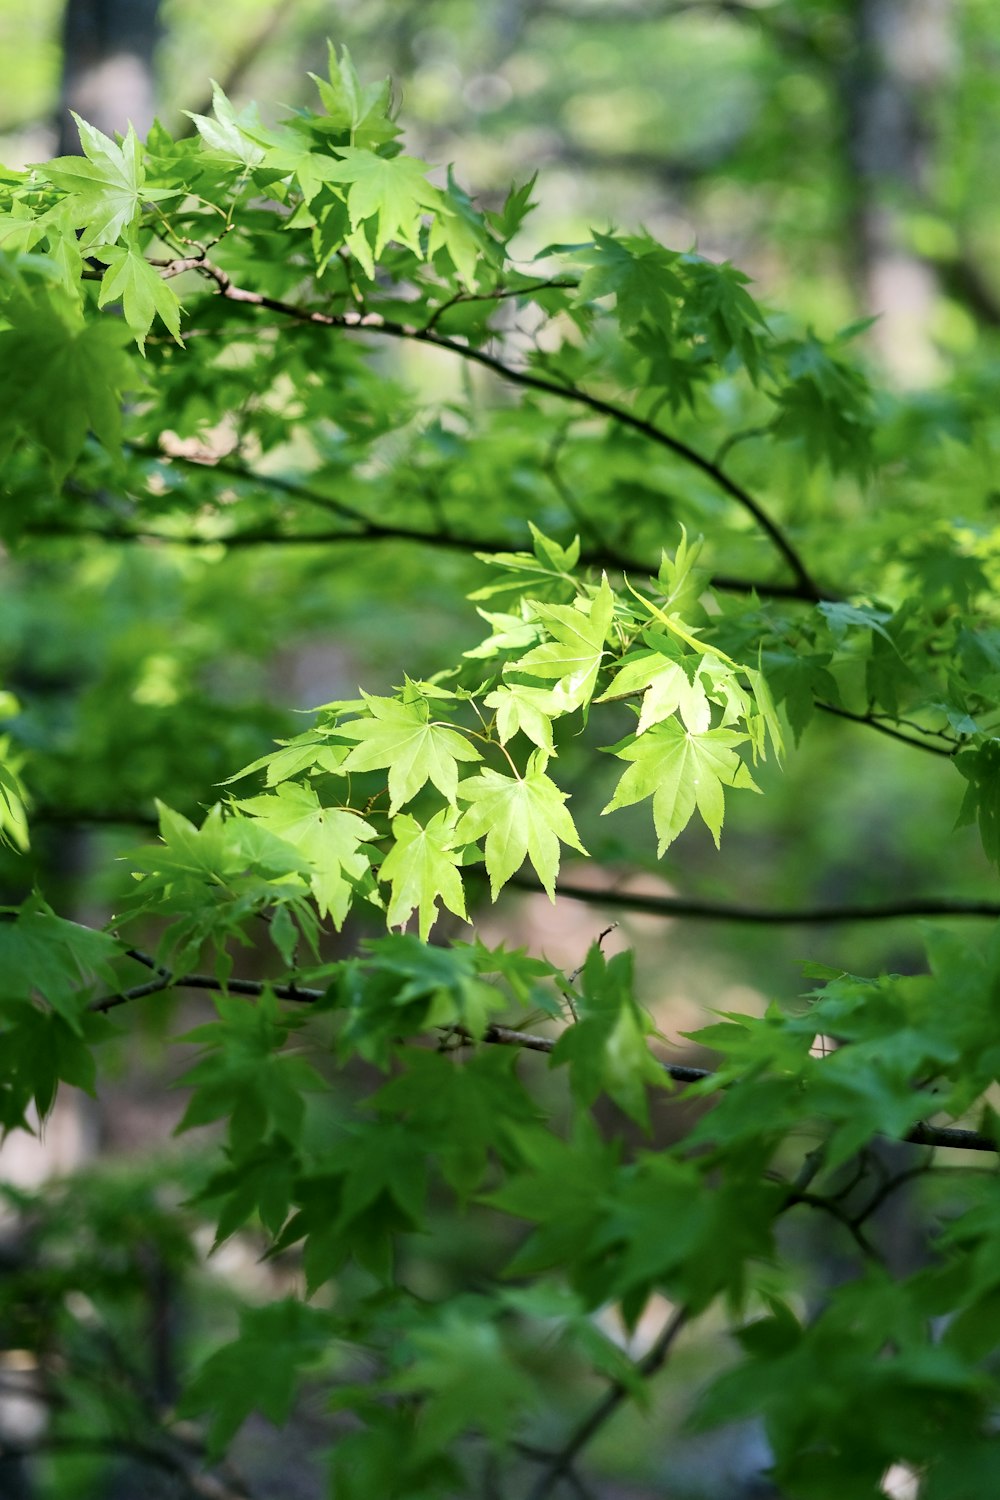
(609, 1403)
(876, 723)
(833, 1208)
(886, 1190)
(724, 911)
(922, 1134)
(369, 531)
(376, 324)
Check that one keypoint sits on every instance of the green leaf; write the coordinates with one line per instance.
(392, 191)
(361, 111)
(143, 291)
(667, 687)
(42, 954)
(330, 839)
(520, 818)
(227, 135)
(401, 738)
(572, 656)
(528, 709)
(638, 273)
(466, 1377)
(259, 1370)
(981, 769)
(105, 186)
(606, 1047)
(681, 771)
(13, 811)
(422, 868)
(86, 374)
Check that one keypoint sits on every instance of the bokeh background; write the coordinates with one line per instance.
(844, 153)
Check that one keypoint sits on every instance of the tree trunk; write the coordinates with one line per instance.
(904, 50)
(107, 77)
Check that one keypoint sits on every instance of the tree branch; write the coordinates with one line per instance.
(373, 323)
(724, 911)
(602, 557)
(921, 1135)
(895, 734)
(609, 1403)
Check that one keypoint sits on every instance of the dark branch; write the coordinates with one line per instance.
(724, 911)
(834, 1209)
(226, 464)
(504, 1036)
(602, 557)
(875, 723)
(604, 1409)
(373, 323)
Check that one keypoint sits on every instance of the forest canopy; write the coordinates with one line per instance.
(666, 609)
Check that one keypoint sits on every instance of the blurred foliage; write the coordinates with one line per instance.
(168, 602)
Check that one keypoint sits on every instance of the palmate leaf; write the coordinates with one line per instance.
(142, 290)
(606, 1048)
(86, 372)
(573, 655)
(360, 110)
(225, 136)
(400, 737)
(520, 818)
(105, 186)
(681, 771)
(422, 868)
(258, 1371)
(528, 709)
(461, 1367)
(329, 838)
(13, 813)
(666, 688)
(460, 227)
(981, 804)
(638, 273)
(392, 191)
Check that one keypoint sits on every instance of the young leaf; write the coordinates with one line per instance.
(329, 838)
(393, 191)
(105, 185)
(399, 737)
(360, 110)
(226, 136)
(422, 868)
(681, 771)
(668, 688)
(528, 709)
(143, 291)
(573, 655)
(520, 818)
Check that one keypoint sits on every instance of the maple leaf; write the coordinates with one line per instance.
(226, 135)
(681, 771)
(86, 372)
(528, 709)
(461, 229)
(422, 868)
(328, 838)
(668, 688)
(105, 185)
(361, 109)
(639, 273)
(400, 738)
(393, 190)
(575, 651)
(521, 818)
(143, 291)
